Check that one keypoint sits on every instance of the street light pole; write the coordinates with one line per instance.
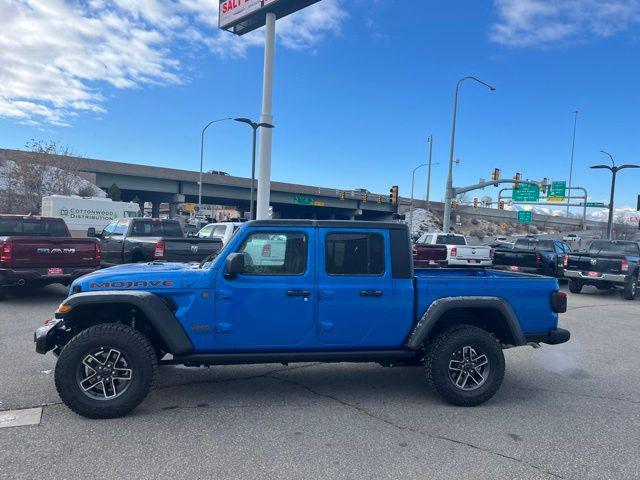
(614, 172)
(449, 188)
(202, 157)
(255, 126)
(573, 149)
(430, 140)
(413, 181)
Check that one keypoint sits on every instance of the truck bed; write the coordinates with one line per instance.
(522, 291)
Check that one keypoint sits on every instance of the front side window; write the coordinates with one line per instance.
(108, 230)
(275, 253)
(354, 254)
(219, 231)
(205, 232)
(121, 228)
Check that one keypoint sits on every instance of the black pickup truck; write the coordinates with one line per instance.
(133, 240)
(605, 264)
(533, 255)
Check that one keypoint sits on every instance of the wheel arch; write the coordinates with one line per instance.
(493, 314)
(151, 314)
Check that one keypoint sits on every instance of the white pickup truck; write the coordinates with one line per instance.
(459, 253)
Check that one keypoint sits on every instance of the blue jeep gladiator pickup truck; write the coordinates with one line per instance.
(289, 291)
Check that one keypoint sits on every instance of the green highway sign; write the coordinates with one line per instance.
(595, 204)
(526, 193)
(525, 217)
(557, 191)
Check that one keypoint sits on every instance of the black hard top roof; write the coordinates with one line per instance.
(328, 223)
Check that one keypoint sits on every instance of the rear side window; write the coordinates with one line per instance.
(450, 240)
(155, 228)
(354, 254)
(275, 253)
(47, 228)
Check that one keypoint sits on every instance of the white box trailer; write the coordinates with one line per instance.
(81, 213)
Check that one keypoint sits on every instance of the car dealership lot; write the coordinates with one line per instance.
(566, 411)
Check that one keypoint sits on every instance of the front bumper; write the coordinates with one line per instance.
(552, 337)
(45, 337)
(604, 277)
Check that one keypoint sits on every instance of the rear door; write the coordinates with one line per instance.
(355, 283)
(272, 304)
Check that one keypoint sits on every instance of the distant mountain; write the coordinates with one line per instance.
(627, 214)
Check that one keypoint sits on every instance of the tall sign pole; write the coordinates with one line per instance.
(266, 135)
(573, 150)
(241, 17)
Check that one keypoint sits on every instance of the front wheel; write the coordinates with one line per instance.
(465, 364)
(630, 288)
(105, 371)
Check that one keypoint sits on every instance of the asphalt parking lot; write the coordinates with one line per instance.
(569, 411)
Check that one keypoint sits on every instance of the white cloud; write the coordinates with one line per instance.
(526, 23)
(57, 56)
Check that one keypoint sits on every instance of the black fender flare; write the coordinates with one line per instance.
(155, 309)
(439, 307)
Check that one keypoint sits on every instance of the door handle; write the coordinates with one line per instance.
(371, 293)
(298, 293)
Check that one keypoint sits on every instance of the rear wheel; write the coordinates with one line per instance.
(630, 288)
(465, 364)
(105, 371)
(575, 286)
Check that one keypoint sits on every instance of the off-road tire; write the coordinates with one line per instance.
(575, 286)
(133, 345)
(439, 352)
(630, 288)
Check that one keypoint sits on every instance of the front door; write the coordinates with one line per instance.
(272, 304)
(112, 243)
(355, 284)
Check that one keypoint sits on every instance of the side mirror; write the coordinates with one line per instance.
(235, 265)
(91, 232)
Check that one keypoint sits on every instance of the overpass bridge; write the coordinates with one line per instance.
(168, 185)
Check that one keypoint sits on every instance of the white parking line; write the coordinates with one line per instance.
(20, 418)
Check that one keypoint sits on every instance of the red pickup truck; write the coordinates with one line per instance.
(38, 251)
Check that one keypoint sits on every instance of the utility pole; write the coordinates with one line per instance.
(573, 149)
(430, 140)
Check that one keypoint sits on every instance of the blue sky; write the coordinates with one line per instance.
(359, 85)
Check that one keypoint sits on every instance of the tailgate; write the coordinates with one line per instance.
(52, 252)
(585, 263)
(430, 252)
(465, 252)
(190, 249)
(520, 259)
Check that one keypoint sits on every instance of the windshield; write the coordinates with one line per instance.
(535, 245)
(155, 228)
(450, 240)
(613, 248)
(35, 227)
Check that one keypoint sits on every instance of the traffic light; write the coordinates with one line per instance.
(517, 178)
(543, 185)
(379, 200)
(475, 202)
(342, 194)
(501, 205)
(454, 204)
(393, 197)
(364, 197)
(495, 176)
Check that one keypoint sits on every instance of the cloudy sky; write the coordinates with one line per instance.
(360, 84)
